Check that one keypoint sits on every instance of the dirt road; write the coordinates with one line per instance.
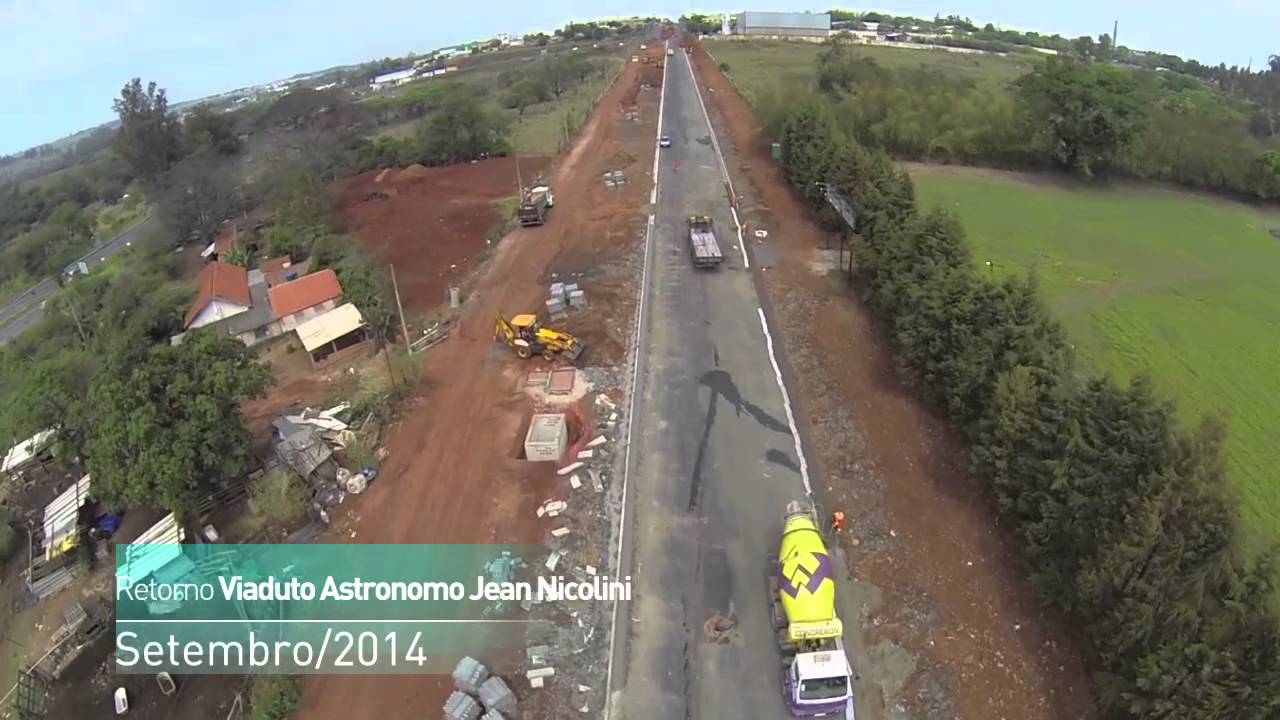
(954, 620)
(452, 475)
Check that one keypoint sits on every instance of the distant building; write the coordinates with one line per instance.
(399, 77)
(782, 24)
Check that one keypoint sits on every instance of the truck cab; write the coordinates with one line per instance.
(533, 207)
(819, 684)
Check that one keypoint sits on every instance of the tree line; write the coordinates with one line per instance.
(1126, 520)
(1085, 117)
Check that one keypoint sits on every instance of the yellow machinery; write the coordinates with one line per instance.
(526, 337)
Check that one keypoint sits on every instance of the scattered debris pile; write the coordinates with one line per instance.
(571, 645)
(305, 444)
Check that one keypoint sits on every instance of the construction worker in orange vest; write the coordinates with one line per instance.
(837, 521)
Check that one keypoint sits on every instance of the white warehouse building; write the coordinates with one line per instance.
(782, 24)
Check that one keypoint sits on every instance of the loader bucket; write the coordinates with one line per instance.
(574, 351)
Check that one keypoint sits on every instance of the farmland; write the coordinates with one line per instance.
(764, 65)
(1173, 284)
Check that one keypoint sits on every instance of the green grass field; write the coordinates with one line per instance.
(762, 65)
(1147, 280)
(544, 127)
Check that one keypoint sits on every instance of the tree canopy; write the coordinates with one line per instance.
(1090, 112)
(149, 138)
(168, 424)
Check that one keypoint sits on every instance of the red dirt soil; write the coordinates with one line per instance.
(452, 475)
(433, 223)
(985, 634)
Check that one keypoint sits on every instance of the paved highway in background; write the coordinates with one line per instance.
(24, 311)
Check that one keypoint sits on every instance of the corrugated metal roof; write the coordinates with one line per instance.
(23, 452)
(61, 514)
(807, 21)
(153, 549)
(330, 326)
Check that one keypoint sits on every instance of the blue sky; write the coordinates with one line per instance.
(62, 61)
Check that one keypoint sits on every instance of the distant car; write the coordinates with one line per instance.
(664, 141)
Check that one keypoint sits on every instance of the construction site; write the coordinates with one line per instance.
(458, 468)
(599, 318)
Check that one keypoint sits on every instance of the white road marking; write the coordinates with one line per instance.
(635, 382)
(742, 245)
(786, 404)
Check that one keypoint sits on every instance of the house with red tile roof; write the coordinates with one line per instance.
(300, 300)
(222, 292)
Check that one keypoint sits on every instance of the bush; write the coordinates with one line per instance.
(724, 67)
(278, 498)
(274, 697)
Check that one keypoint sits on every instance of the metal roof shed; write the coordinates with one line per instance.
(60, 517)
(27, 450)
(326, 330)
(153, 549)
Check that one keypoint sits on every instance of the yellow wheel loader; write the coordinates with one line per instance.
(526, 337)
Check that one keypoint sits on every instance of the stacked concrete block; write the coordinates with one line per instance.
(557, 303)
(461, 706)
(469, 674)
(493, 715)
(495, 695)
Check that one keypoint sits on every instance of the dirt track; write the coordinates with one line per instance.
(953, 591)
(452, 475)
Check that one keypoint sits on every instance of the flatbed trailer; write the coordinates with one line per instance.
(703, 247)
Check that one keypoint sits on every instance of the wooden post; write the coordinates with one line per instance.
(404, 329)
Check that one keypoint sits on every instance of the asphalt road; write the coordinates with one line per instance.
(23, 311)
(714, 460)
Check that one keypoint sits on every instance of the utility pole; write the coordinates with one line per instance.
(1115, 30)
(404, 329)
(519, 181)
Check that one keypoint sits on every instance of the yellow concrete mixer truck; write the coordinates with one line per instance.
(817, 678)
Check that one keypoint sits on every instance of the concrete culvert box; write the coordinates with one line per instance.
(495, 695)
(461, 706)
(469, 674)
(548, 434)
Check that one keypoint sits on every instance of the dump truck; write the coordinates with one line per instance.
(702, 242)
(526, 337)
(817, 679)
(533, 207)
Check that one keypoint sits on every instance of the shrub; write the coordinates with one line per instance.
(278, 498)
(724, 67)
(274, 697)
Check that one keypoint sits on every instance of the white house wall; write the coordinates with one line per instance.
(215, 311)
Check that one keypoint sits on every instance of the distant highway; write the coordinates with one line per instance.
(24, 311)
